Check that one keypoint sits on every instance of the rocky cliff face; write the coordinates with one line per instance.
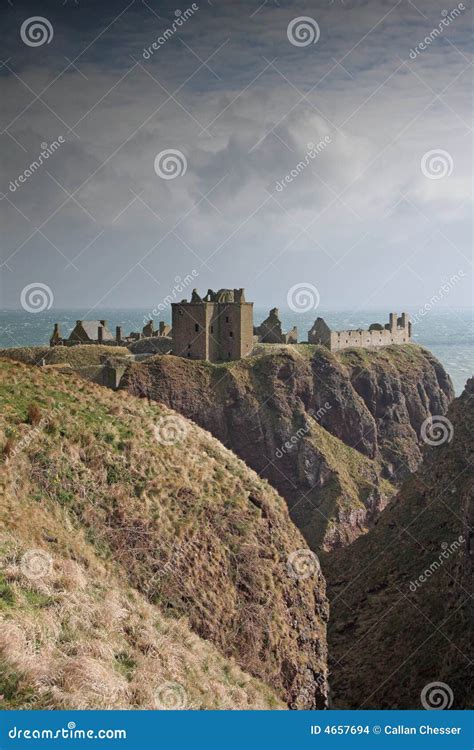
(381, 401)
(328, 431)
(156, 511)
(401, 596)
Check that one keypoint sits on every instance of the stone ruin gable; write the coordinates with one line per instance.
(396, 331)
(320, 333)
(217, 327)
(149, 330)
(270, 331)
(84, 332)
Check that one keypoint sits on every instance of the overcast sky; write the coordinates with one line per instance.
(371, 218)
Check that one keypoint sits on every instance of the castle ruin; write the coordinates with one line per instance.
(217, 327)
(271, 332)
(396, 331)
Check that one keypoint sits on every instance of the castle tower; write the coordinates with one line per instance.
(216, 328)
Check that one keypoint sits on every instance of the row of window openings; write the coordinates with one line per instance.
(196, 328)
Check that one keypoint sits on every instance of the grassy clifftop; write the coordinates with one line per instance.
(168, 527)
(87, 355)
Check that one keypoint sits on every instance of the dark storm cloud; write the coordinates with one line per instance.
(242, 104)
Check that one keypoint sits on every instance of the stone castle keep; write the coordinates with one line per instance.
(219, 327)
(216, 327)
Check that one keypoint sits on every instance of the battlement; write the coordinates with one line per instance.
(396, 331)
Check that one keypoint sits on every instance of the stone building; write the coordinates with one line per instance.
(396, 331)
(218, 327)
(270, 331)
(97, 332)
(86, 332)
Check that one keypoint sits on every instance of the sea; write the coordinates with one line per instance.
(448, 333)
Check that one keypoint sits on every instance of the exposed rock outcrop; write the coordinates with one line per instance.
(327, 430)
(401, 596)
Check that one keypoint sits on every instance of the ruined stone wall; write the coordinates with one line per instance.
(344, 339)
(190, 322)
(246, 331)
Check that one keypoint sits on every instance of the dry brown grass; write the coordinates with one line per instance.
(137, 528)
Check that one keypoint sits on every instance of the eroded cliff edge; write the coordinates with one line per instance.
(332, 432)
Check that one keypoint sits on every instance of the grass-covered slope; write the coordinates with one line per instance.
(87, 355)
(157, 516)
(401, 596)
(75, 635)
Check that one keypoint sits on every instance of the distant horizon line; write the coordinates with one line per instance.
(279, 307)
